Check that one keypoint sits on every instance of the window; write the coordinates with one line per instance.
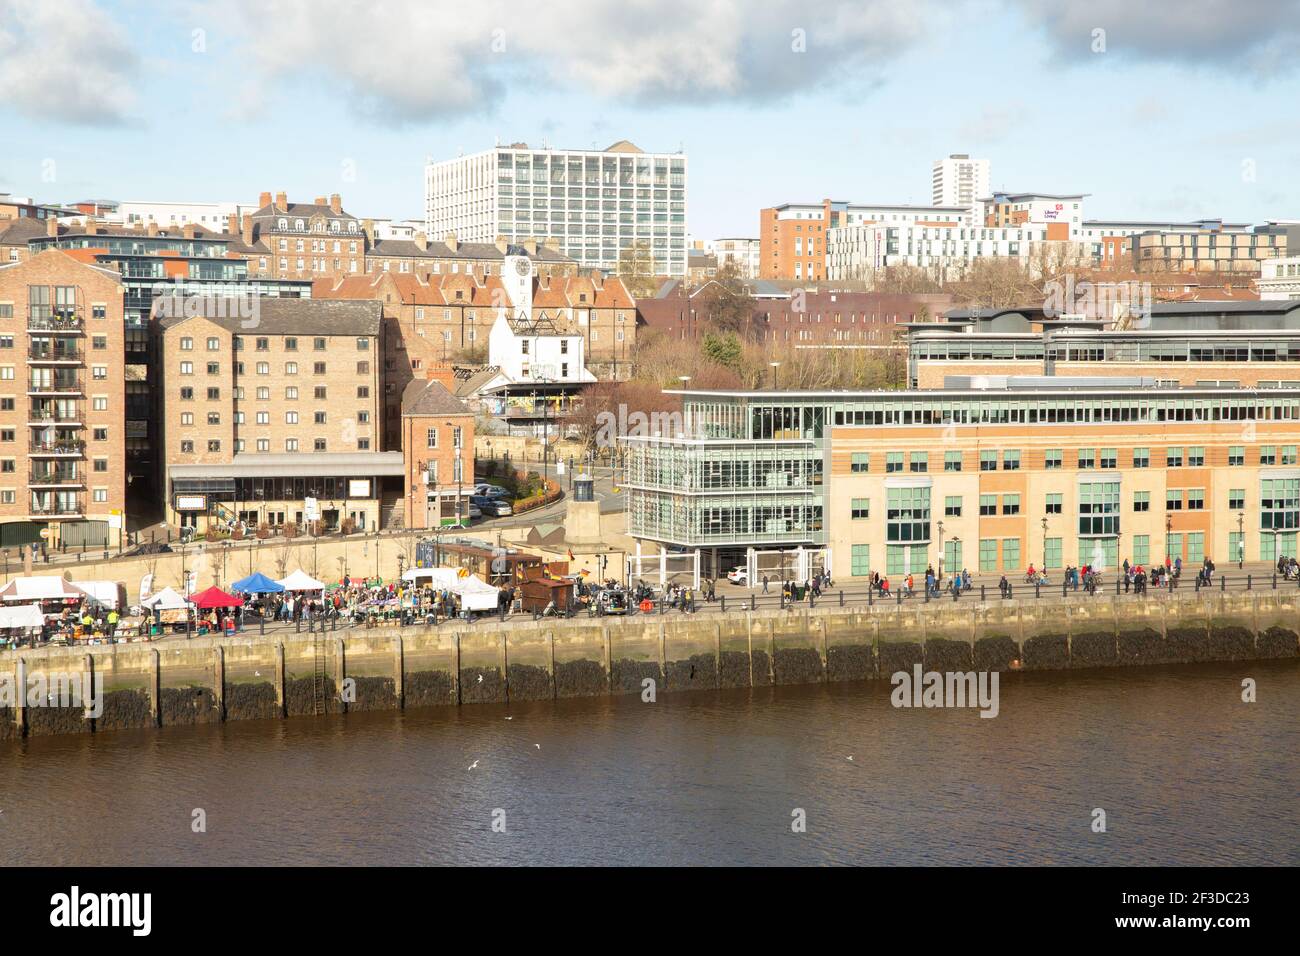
(263, 393)
(893, 461)
(1052, 458)
(1011, 460)
(1288, 454)
(919, 461)
(290, 444)
(187, 447)
(187, 368)
(263, 418)
(363, 444)
(988, 554)
(988, 461)
(187, 394)
(1173, 457)
(861, 560)
(187, 418)
(99, 342)
(263, 368)
(214, 344)
(1010, 554)
(1267, 455)
(1195, 499)
(1141, 501)
(1087, 457)
(99, 434)
(861, 508)
(363, 345)
(1236, 455)
(1053, 505)
(318, 344)
(1109, 458)
(1051, 553)
(952, 506)
(291, 418)
(291, 344)
(1141, 549)
(1099, 508)
(1141, 457)
(988, 505)
(214, 394)
(319, 392)
(101, 464)
(1011, 504)
(318, 368)
(1237, 500)
(1174, 499)
(214, 418)
(860, 464)
(214, 445)
(363, 391)
(952, 461)
(187, 343)
(290, 368)
(363, 368)
(291, 392)
(1196, 457)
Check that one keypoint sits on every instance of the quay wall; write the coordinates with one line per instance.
(252, 676)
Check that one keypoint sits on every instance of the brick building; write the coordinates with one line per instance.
(62, 402)
(437, 432)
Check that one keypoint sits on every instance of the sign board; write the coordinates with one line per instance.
(191, 502)
(45, 532)
(559, 467)
(115, 518)
(359, 488)
(311, 509)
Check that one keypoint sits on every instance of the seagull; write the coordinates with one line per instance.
(472, 766)
(257, 673)
(509, 718)
(850, 757)
(480, 678)
(538, 746)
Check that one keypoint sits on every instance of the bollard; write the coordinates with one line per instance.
(783, 600)
(261, 625)
(753, 603)
(1063, 590)
(927, 594)
(1223, 583)
(1274, 580)
(1038, 590)
(871, 597)
(1010, 593)
(981, 593)
(811, 604)
(722, 605)
(900, 597)
(1248, 581)
(297, 625)
(841, 597)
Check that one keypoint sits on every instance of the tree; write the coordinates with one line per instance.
(904, 278)
(727, 302)
(636, 267)
(722, 349)
(996, 283)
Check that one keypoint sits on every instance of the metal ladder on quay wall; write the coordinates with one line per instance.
(320, 671)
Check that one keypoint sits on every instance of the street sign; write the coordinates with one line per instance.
(45, 532)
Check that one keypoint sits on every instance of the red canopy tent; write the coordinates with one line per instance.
(214, 597)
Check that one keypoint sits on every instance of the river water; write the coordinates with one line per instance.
(1185, 771)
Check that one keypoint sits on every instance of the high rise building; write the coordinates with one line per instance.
(594, 202)
(959, 180)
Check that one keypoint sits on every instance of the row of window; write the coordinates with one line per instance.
(262, 368)
(263, 344)
(264, 444)
(1086, 458)
(1176, 499)
(264, 418)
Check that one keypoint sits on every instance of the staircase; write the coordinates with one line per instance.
(392, 513)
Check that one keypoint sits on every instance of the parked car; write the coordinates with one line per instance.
(738, 575)
(485, 490)
(492, 507)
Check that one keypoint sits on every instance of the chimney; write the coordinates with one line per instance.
(137, 226)
(232, 223)
(263, 200)
(368, 229)
(92, 227)
(153, 228)
(451, 241)
(282, 201)
(502, 245)
(336, 203)
(320, 200)
(52, 226)
(421, 242)
(597, 279)
(188, 230)
(248, 230)
(552, 242)
(530, 246)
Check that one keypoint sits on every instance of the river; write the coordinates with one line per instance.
(1185, 771)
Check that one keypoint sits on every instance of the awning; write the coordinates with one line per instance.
(215, 597)
(166, 600)
(257, 583)
(21, 615)
(44, 588)
(105, 592)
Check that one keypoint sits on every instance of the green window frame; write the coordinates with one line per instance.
(1051, 553)
(1109, 458)
(1236, 455)
(1010, 554)
(1011, 459)
(988, 554)
(1141, 457)
(1052, 458)
(1011, 504)
(893, 461)
(1174, 457)
(861, 462)
(988, 461)
(1288, 454)
(952, 461)
(1141, 549)
(860, 508)
(1173, 499)
(1054, 504)
(1087, 457)
(988, 505)
(1141, 501)
(952, 506)
(1196, 457)
(1267, 455)
(861, 557)
(1195, 499)
(919, 461)
(1236, 500)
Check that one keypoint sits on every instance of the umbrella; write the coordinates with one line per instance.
(215, 597)
(257, 583)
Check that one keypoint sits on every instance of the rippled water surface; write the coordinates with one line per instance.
(1186, 772)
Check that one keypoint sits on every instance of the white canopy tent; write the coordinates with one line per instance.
(40, 588)
(166, 600)
(442, 578)
(300, 580)
(475, 594)
(105, 592)
(21, 615)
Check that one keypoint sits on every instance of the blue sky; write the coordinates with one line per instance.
(1188, 112)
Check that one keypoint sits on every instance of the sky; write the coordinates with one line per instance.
(1157, 110)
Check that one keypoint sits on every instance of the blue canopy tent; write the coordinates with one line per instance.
(257, 583)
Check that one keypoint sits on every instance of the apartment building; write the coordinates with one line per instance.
(63, 475)
(988, 474)
(959, 180)
(1247, 344)
(1279, 278)
(1060, 213)
(420, 257)
(437, 429)
(1213, 247)
(742, 255)
(795, 238)
(259, 414)
(595, 203)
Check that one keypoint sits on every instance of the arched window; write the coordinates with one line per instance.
(284, 224)
(352, 227)
(297, 224)
(334, 225)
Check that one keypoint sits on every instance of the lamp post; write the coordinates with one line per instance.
(1044, 542)
(939, 558)
(775, 366)
(1169, 531)
(1241, 540)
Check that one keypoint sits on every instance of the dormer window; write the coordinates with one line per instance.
(298, 225)
(352, 227)
(334, 225)
(284, 224)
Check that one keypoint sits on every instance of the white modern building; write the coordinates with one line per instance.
(594, 202)
(1279, 278)
(959, 181)
(210, 215)
(742, 253)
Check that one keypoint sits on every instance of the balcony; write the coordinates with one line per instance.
(43, 417)
(42, 356)
(66, 448)
(61, 324)
(55, 385)
(57, 509)
(55, 478)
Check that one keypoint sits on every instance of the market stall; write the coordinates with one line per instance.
(169, 609)
(300, 580)
(21, 624)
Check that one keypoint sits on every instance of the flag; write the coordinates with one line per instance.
(571, 554)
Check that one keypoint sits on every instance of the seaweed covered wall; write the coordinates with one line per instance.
(262, 677)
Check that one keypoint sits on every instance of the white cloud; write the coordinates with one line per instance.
(403, 60)
(65, 61)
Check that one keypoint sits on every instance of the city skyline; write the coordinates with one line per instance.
(852, 102)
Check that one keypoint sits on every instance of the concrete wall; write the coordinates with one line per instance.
(252, 677)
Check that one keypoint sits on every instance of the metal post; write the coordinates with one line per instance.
(1248, 581)
(1038, 590)
(722, 603)
(841, 597)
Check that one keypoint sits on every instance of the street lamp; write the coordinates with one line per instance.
(774, 365)
(1241, 540)
(939, 557)
(1044, 543)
